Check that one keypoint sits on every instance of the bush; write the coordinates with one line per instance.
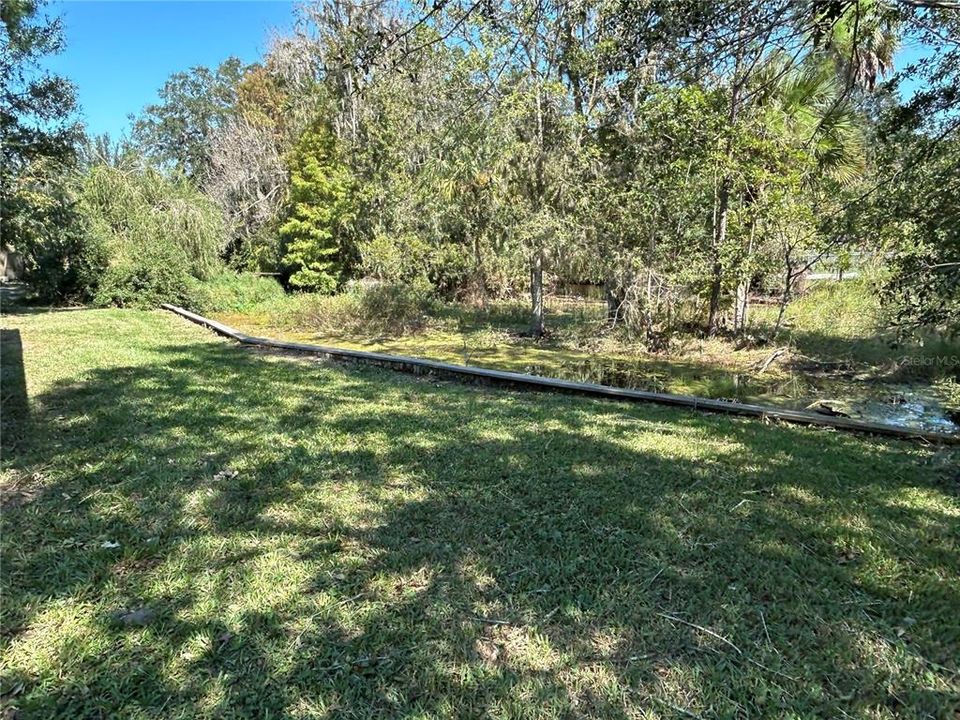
(371, 309)
(406, 259)
(400, 259)
(450, 269)
(158, 232)
(156, 277)
(135, 210)
(63, 265)
(234, 292)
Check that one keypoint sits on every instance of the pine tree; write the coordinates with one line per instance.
(319, 211)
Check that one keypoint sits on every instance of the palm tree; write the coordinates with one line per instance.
(806, 110)
(861, 39)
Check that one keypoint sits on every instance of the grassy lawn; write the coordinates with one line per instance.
(195, 530)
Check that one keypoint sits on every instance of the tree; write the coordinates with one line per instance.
(248, 181)
(676, 151)
(37, 134)
(319, 211)
(62, 262)
(807, 151)
(543, 153)
(918, 216)
(177, 131)
(915, 206)
(651, 239)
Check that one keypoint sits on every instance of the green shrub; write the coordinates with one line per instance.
(156, 277)
(450, 269)
(157, 231)
(319, 210)
(234, 292)
(371, 309)
(406, 259)
(395, 259)
(136, 210)
(63, 265)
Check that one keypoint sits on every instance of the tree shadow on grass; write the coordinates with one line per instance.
(581, 568)
(14, 411)
(319, 541)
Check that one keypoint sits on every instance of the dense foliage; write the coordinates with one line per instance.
(155, 230)
(318, 211)
(683, 156)
(178, 130)
(369, 309)
(227, 291)
(38, 131)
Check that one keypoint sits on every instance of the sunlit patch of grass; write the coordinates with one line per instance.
(196, 530)
(60, 637)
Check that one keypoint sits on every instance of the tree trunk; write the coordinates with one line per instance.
(741, 307)
(648, 311)
(742, 304)
(614, 295)
(536, 296)
(719, 238)
(787, 289)
(723, 198)
(480, 276)
(784, 301)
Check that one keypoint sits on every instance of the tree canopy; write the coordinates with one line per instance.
(682, 155)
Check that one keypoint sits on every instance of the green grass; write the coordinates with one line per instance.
(227, 291)
(844, 322)
(578, 348)
(309, 541)
(836, 346)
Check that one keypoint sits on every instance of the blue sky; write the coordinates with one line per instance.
(120, 53)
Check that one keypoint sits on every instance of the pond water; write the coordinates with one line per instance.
(909, 406)
(901, 405)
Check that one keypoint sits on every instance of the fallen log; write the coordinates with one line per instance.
(773, 356)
